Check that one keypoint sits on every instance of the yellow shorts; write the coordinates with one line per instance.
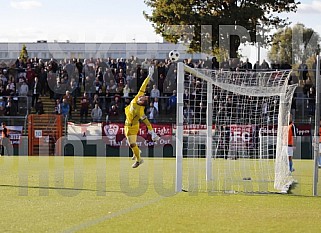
(131, 133)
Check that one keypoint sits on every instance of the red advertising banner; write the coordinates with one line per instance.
(301, 130)
(114, 135)
(238, 136)
(242, 136)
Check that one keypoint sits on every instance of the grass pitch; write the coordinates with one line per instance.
(76, 194)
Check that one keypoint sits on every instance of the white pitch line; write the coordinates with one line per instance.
(93, 222)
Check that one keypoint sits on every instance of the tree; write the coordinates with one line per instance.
(294, 45)
(193, 15)
(24, 53)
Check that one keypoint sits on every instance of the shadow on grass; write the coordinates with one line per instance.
(57, 188)
(293, 192)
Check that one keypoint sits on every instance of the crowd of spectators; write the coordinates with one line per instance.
(102, 88)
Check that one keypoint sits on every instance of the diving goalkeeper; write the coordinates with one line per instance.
(135, 113)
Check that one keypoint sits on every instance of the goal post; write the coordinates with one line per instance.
(316, 143)
(224, 122)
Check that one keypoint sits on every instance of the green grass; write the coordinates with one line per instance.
(47, 194)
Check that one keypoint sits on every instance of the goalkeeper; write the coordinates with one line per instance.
(135, 112)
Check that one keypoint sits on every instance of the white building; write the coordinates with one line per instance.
(66, 50)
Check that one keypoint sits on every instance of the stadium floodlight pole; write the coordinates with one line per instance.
(316, 127)
(179, 127)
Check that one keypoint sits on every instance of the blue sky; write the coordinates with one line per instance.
(97, 20)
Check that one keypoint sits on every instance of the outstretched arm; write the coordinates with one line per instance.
(142, 89)
(154, 135)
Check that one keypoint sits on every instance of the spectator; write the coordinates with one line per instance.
(285, 66)
(57, 107)
(97, 85)
(120, 77)
(108, 76)
(84, 108)
(257, 66)
(58, 90)
(145, 64)
(52, 82)
(5, 141)
(23, 89)
(156, 104)
(161, 85)
(65, 108)
(188, 113)
(265, 65)
(152, 113)
(8, 108)
(306, 88)
(18, 85)
(100, 74)
(311, 101)
(11, 89)
(2, 106)
(186, 96)
(200, 113)
(43, 82)
(303, 72)
(89, 85)
(96, 100)
(275, 65)
(35, 88)
(118, 103)
(74, 93)
(207, 64)
(215, 64)
(171, 104)
(133, 83)
(126, 91)
(247, 65)
(70, 68)
(113, 113)
(30, 76)
(96, 113)
(53, 65)
(111, 86)
(154, 92)
(39, 107)
(68, 97)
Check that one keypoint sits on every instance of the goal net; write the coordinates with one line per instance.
(232, 130)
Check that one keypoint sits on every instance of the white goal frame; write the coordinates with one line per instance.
(316, 153)
(281, 162)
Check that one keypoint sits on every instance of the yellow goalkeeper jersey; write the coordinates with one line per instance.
(133, 111)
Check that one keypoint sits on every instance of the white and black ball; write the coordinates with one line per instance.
(173, 55)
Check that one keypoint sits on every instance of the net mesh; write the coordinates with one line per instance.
(248, 113)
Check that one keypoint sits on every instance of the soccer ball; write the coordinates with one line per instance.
(173, 55)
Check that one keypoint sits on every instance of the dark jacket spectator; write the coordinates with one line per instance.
(84, 108)
(39, 107)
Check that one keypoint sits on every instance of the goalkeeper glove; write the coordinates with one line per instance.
(154, 135)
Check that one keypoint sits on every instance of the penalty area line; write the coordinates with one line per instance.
(106, 217)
